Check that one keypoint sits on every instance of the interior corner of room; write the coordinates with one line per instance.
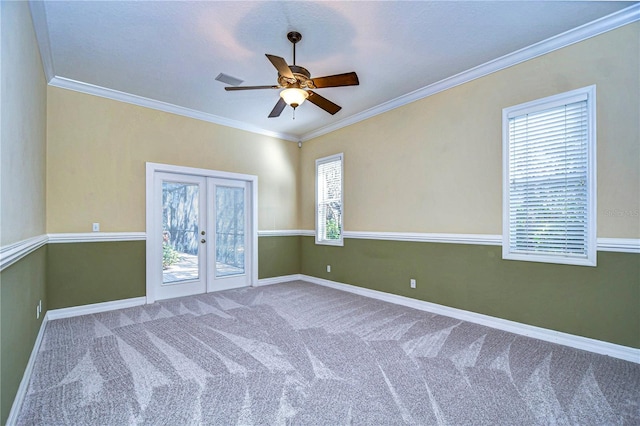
(422, 196)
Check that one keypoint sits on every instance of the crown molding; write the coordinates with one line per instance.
(599, 26)
(39, 18)
(116, 95)
(575, 35)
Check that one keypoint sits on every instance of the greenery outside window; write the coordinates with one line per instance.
(549, 179)
(329, 200)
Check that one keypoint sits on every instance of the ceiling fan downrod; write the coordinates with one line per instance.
(296, 84)
(294, 37)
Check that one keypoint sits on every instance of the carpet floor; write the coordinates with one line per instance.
(303, 354)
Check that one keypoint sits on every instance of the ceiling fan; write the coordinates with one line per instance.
(297, 83)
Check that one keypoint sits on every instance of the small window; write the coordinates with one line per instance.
(549, 179)
(329, 200)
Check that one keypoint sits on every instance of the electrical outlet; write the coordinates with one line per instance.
(328, 268)
(413, 283)
(96, 227)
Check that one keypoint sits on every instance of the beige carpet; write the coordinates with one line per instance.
(298, 353)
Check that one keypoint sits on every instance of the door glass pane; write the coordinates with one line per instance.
(180, 239)
(229, 231)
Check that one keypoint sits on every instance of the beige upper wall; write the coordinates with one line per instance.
(23, 124)
(97, 149)
(431, 166)
(435, 165)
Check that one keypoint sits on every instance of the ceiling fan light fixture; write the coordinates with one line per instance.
(294, 97)
(297, 85)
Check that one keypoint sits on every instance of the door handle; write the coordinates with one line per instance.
(203, 241)
(202, 232)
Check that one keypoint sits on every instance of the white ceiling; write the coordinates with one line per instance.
(170, 52)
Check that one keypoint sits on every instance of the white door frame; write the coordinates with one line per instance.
(154, 243)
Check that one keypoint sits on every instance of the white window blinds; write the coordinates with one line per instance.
(329, 200)
(549, 182)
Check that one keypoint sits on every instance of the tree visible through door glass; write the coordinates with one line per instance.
(230, 231)
(180, 241)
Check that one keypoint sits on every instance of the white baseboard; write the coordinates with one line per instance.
(26, 376)
(94, 308)
(58, 314)
(566, 339)
(278, 280)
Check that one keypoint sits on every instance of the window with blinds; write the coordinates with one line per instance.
(549, 210)
(329, 200)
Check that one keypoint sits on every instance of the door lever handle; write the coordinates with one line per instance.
(203, 241)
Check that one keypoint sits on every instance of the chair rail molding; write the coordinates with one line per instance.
(12, 253)
(96, 237)
(618, 245)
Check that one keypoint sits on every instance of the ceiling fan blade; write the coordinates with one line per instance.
(347, 79)
(232, 88)
(277, 110)
(323, 103)
(281, 66)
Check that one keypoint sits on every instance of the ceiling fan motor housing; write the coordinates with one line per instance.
(297, 83)
(302, 75)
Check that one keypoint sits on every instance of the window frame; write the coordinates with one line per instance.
(324, 241)
(549, 102)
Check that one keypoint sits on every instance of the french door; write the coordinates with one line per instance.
(228, 219)
(184, 228)
(200, 235)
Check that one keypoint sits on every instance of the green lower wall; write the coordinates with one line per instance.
(278, 256)
(601, 303)
(22, 286)
(85, 273)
